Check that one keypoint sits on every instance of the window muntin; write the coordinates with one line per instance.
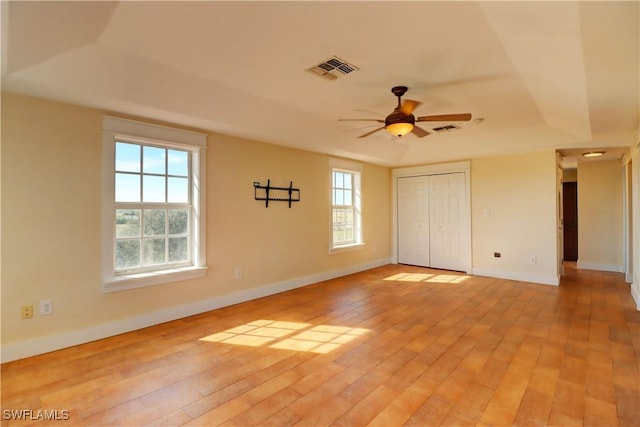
(152, 207)
(346, 216)
(343, 208)
(153, 204)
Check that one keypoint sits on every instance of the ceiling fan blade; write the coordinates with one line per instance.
(369, 133)
(419, 132)
(361, 120)
(465, 117)
(408, 105)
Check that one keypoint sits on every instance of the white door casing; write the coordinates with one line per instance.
(463, 167)
(448, 215)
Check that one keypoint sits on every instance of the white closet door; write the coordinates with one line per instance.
(447, 227)
(413, 220)
(431, 221)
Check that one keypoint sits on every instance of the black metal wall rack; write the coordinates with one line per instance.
(266, 193)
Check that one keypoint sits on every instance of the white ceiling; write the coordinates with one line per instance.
(542, 75)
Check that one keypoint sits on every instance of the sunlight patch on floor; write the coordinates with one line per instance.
(425, 277)
(293, 336)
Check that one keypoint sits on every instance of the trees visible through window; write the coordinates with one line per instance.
(346, 212)
(343, 208)
(152, 206)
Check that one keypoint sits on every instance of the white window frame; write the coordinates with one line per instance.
(355, 168)
(123, 130)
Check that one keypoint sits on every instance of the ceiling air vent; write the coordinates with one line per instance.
(447, 128)
(333, 68)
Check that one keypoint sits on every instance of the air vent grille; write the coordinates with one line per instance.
(333, 68)
(447, 128)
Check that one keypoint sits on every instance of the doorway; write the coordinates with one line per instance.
(431, 227)
(461, 246)
(570, 226)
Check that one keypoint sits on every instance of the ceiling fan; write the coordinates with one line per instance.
(402, 121)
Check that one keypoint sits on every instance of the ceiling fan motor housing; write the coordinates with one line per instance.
(399, 117)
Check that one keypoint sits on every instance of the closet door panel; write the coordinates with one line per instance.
(447, 229)
(413, 220)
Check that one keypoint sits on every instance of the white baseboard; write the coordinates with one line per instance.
(635, 293)
(521, 277)
(586, 265)
(40, 345)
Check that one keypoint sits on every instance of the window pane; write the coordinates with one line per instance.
(154, 251)
(178, 221)
(127, 222)
(338, 197)
(338, 179)
(178, 163)
(127, 157)
(127, 254)
(347, 180)
(348, 198)
(154, 222)
(338, 216)
(338, 235)
(178, 190)
(348, 235)
(127, 187)
(153, 188)
(153, 160)
(178, 249)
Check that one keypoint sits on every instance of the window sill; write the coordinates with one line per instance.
(346, 248)
(133, 281)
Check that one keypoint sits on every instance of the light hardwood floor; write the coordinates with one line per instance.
(392, 346)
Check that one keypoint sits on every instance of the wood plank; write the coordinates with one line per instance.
(473, 350)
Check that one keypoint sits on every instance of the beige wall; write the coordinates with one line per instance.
(600, 215)
(514, 213)
(51, 172)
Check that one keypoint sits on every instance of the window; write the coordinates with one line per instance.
(152, 207)
(346, 223)
(153, 204)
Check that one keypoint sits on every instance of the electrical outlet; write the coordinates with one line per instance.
(532, 260)
(46, 307)
(27, 311)
(238, 273)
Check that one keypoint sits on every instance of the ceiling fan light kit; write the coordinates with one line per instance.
(402, 121)
(399, 124)
(399, 129)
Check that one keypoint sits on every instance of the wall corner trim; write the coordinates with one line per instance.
(613, 268)
(635, 294)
